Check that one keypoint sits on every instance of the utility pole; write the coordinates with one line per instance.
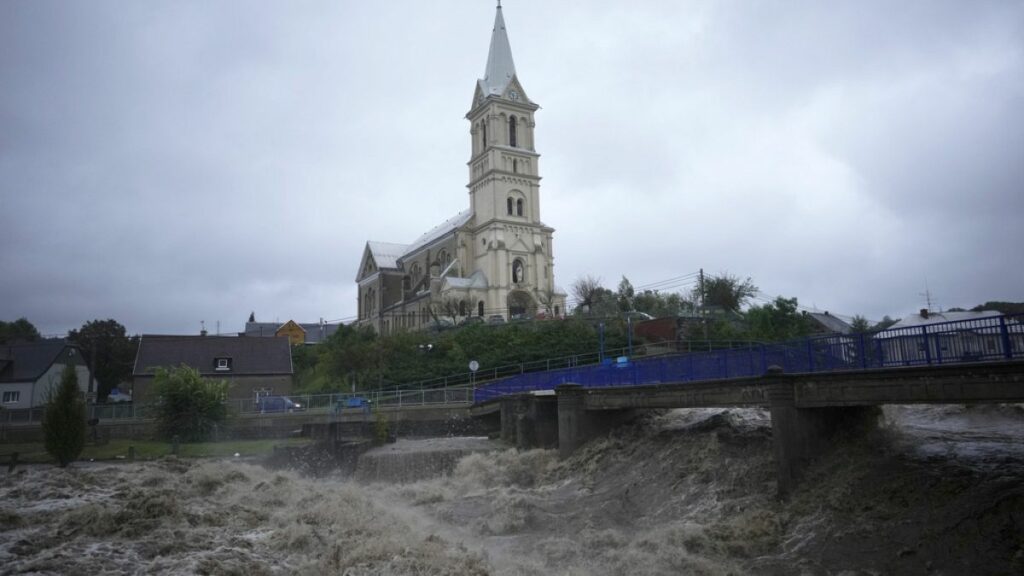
(703, 316)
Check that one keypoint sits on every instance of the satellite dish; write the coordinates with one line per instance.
(474, 365)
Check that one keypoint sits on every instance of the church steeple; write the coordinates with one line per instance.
(500, 66)
(504, 182)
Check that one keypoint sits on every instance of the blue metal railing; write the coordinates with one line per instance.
(977, 340)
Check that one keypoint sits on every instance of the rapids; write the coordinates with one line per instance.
(934, 491)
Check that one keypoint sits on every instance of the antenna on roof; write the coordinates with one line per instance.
(202, 327)
(927, 295)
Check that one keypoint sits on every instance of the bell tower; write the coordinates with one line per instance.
(503, 179)
(510, 244)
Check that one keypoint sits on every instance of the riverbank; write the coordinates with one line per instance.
(116, 450)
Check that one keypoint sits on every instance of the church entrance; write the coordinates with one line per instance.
(521, 305)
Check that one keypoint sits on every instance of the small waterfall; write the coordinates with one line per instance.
(412, 460)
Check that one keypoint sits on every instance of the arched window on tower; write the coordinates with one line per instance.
(483, 139)
(512, 131)
(509, 205)
(519, 207)
(515, 166)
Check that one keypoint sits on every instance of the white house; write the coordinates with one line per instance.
(28, 371)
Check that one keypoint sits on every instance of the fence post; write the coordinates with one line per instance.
(927, 346)
(861, 351)
(1004, 334)
(810, 356)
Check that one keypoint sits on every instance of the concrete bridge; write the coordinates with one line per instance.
(807, 410)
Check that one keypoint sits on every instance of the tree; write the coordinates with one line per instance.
(625, 295)
(20, 330)
(64, 427)
(111, 353)
(350, 359)
(448, 307)
(860, 324)
(659, 305)
(1001, 307)
(188, 406)
(725, 291)
(586, 291)
(779, 320)
(884, 323)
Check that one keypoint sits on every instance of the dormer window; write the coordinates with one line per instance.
(223, 364)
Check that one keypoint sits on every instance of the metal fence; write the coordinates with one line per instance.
(985, 339)
(956, 342)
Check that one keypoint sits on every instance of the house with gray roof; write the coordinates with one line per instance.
(252, 366)
(30, 370)
(965, 335)
(312, 332)
(822, 323)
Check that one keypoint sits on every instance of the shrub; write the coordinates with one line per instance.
(64, 427)
(188, 406)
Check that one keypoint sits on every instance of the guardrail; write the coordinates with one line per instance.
(955, 342)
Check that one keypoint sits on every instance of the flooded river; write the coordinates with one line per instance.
(935, 491)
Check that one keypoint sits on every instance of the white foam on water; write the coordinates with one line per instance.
(684, 492)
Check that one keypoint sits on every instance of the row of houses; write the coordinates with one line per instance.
(256, 362)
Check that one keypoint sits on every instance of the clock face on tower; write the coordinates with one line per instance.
(513, 95)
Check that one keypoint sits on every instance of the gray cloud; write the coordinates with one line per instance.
(169, 162)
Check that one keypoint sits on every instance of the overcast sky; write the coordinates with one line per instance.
(163, 163)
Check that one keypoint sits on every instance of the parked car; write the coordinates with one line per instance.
(496, 319)
(117, 396)
(359, 402)
(269, 404)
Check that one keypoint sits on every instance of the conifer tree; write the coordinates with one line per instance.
(64, 426)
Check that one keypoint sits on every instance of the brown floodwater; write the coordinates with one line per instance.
(935, 491)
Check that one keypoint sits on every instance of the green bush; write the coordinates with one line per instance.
(64, 427)
(188, 406)
(381, 427)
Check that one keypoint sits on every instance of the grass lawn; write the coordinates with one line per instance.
(148, 449)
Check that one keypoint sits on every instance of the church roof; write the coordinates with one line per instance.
(475, 280)
(438, 231)
(500, 67)
(386, 254)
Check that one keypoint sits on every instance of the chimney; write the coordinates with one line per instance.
(924, 313)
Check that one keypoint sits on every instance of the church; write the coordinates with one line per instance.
(492, 261)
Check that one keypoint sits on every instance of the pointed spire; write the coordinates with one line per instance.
(500, 67)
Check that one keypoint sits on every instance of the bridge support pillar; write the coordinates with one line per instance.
(800, 435)
(508, 418)
(529, 421)
(576, 424)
